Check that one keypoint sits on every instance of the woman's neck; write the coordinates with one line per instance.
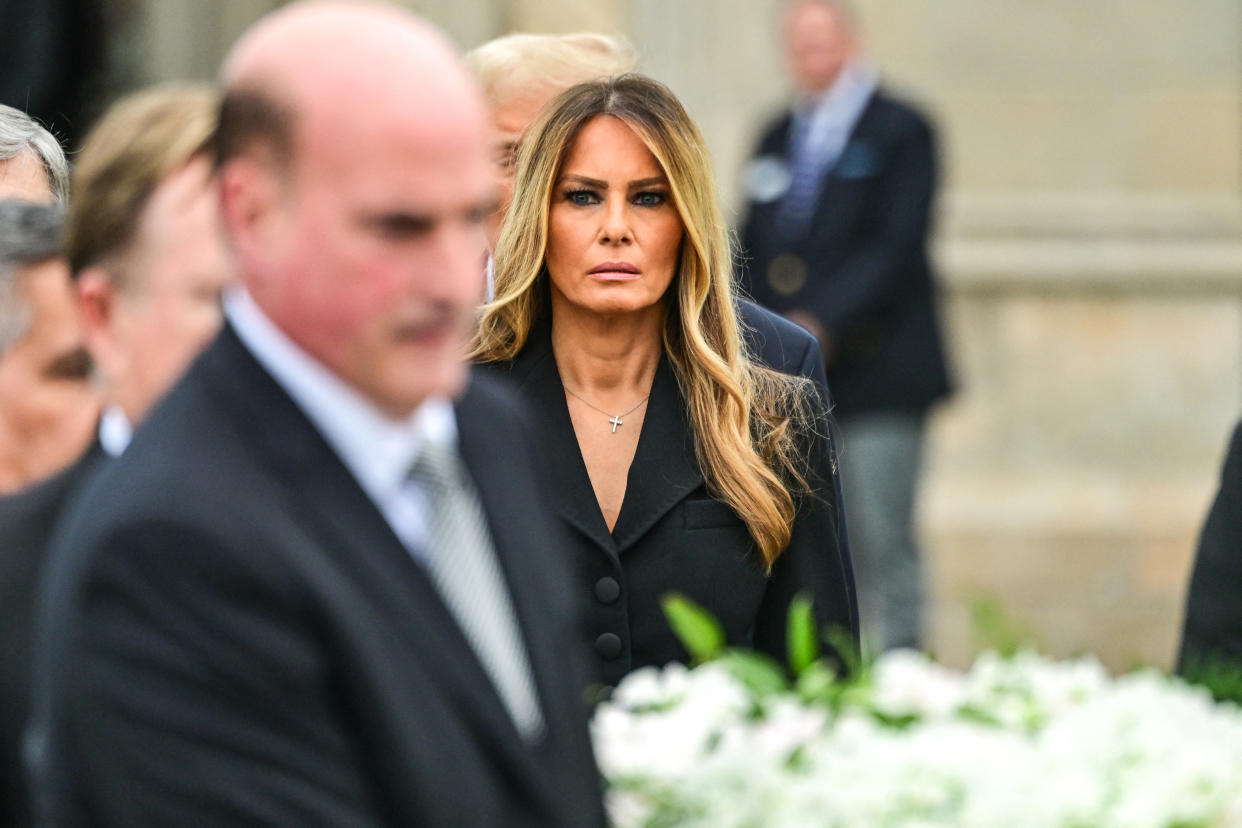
(609, 359)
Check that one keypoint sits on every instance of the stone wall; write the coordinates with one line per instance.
(1101, 369)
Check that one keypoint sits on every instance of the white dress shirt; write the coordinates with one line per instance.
(378, 450)
(115, 432)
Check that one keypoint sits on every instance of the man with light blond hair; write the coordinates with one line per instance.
(320, 587)
(520, 73)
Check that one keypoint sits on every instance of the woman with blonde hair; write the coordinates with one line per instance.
(684, 431)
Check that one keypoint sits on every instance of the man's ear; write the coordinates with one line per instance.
(97, 308)
(96, 297)
(250, 192)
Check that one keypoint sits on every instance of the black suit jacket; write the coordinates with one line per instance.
(233, 635)
(1213, 626)
(671, 535)
(862, 266)
(26, 522)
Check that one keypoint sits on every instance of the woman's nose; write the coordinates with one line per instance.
(616, 227)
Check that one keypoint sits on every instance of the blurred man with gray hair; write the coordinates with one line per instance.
(32, 162)
(47, 407)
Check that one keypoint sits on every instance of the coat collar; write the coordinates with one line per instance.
(664, 469)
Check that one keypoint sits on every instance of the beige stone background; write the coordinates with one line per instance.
(1090, 242)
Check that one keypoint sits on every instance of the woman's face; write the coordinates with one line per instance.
(613, 231)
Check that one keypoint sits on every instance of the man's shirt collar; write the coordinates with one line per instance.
(378, 450)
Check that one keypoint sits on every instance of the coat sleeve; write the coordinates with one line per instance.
(817, 561)
(876, 269)
(1213, 626)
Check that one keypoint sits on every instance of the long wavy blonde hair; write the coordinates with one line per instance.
(744, 416)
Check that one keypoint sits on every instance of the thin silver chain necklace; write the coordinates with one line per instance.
(615, 419)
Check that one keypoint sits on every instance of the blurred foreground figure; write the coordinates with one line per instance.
(835, 238)
(32, 162)
(318, 588)
(1212, 635)
(148, 257)
(47, 407)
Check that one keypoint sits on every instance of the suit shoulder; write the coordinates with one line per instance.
(493, 395)
(1233, 457)
(901, 114)
(490, 386)
(777, 342)
(771, 135)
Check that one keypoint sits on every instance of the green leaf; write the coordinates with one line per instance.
(818, 684)
(801, 640)
(699, 632)
(995, 630)
(853, 662)
(1221, 676)
(760, 674)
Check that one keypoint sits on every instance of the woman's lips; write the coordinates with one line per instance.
(614, 271)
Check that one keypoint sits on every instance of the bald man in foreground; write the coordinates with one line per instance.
(318, 588)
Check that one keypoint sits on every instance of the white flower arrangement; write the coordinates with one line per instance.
(1015, 742)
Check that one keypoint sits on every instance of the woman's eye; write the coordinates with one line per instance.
(649, 199)
(581, 198)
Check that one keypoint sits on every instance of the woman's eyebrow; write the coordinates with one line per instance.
(603, 185)
(582, 179)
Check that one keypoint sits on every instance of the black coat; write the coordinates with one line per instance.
(232, 634)
(1213, 627)
(671, 535)
(26, 522)
(862, 266)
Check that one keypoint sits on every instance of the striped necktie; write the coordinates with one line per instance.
(462, 562)
(805, 170)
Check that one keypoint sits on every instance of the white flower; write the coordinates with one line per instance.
(909, 683)
(651, 686)
(1017, 743)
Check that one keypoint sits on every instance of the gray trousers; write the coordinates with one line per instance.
(880, 458)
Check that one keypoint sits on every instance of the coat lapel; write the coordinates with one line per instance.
(841, 175)
(571, 494)
(330, 505)
(664, 469)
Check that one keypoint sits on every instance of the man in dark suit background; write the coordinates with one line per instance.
(1212, 632)
(835, 238)
(315, 589)
(149, 263)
